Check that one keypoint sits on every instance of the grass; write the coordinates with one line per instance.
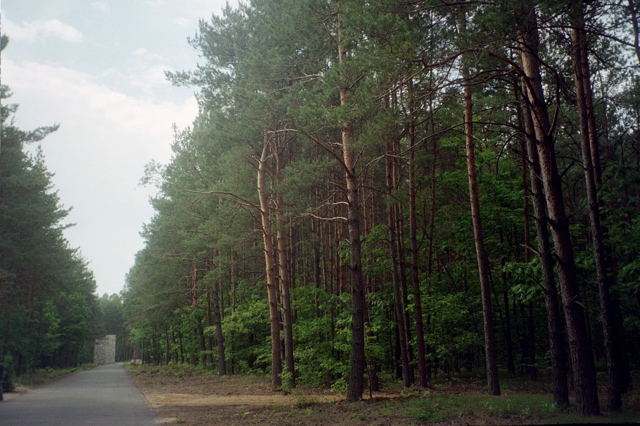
(516, 407)
(304, 401)
(449, 402)
(47, 375)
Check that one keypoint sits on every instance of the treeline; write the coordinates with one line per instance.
(399, 190)
(111, 321)
(49, 313)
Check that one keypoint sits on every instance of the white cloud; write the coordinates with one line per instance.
(148, 73)
(146, 54)
(150, 78)
(94, 116)
(34, 30)
(181, 22)
(98, 156)
(113, 121)
(101, 6)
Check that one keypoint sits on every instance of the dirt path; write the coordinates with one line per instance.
(185, 398)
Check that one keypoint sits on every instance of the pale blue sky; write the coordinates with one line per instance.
(97, 69)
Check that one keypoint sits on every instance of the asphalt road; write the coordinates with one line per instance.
(101, 396)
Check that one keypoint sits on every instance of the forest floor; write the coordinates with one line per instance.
(184, 395)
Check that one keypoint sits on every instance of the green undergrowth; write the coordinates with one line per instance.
(46, 375)
(516, 408)
(170, 370)
(177, 370)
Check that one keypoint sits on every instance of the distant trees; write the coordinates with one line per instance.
(111, 321)
(47, 306)
(317, 211)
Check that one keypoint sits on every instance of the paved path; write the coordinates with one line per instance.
(101, 396)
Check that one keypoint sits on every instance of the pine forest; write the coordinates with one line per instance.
(372, 192)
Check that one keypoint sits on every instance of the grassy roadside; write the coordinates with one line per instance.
(521, 402)
(510, 408)
(47, 375)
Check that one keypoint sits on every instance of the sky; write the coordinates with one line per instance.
(96, 68)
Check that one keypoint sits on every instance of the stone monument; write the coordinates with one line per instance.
(105, 350)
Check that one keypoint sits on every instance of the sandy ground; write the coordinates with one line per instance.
(240, 400)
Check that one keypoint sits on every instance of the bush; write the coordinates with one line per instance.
(9, 376)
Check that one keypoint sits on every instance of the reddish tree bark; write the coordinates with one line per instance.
(270, 267)
(552, 304)
(493, 382)
(584, 374)
(355, 387)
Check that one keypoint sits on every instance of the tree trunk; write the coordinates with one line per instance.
(285, 286)
(583, 364)
(432, 232)
(167, 352)
(356, 384)
(511, 365)
(194, 281)
(217, 321)
(531, 327)
(413, 229)
(270, 267)
(180, 339)
(493, 382)
(355, 387)
(284, 272)
(552, 304)
(210, 322)
(399, 306)
(203, 346)
(614, 345)
(232, 306)
(372, 365)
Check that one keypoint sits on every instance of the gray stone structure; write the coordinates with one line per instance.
(105, 350)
